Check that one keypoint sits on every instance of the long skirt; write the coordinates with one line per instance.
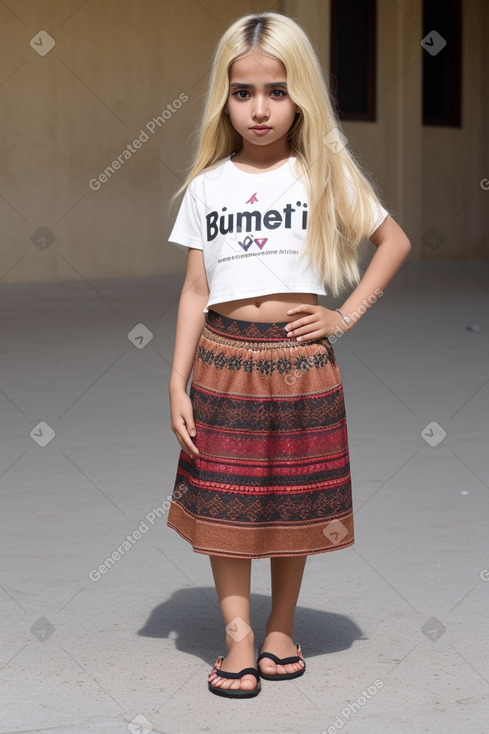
(272, 477)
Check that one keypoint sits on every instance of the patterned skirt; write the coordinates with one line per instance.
(273, 474)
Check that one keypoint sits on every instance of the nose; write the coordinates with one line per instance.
(260, 108)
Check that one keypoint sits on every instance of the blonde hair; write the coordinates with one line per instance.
(335, 228)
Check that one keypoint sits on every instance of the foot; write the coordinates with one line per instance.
(282, 646)
(240, 655)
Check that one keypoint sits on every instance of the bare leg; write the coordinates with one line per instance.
(286, 576)
(232, 577)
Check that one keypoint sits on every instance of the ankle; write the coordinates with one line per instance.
(282, 630)
(236, 640)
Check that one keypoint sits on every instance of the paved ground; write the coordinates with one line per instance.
(394, 629)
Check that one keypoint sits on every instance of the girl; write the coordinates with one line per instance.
(275, 207)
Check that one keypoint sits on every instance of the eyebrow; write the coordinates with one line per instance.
(268, 85)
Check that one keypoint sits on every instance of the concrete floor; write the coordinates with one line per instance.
(394, 629)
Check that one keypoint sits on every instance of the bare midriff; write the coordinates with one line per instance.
(265, 308)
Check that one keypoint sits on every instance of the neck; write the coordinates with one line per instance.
(263, 156)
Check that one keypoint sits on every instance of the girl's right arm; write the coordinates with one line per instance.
(190, 322)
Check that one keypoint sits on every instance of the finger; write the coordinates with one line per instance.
(295, 326)
(187, 437)
(190, 425)
(188, 445)
(185, 440)
(297, 309)
(309, 319)
(310, 336)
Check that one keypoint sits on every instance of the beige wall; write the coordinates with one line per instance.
(429, 176)
(454, 161)
(116, 64)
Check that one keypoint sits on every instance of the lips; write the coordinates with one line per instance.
(261, 130)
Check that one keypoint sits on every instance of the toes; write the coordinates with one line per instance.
(248, 682)
(288, 668)
(270, 668)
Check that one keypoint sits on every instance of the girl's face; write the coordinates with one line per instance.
(259, 106)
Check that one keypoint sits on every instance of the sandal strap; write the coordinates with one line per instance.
(277, 660)
(283, 661)
(245, 671)
(229, 674)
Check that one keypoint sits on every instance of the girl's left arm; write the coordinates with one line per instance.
(316, 322)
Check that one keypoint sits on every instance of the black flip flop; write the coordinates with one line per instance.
(283, 661)
(229, 693)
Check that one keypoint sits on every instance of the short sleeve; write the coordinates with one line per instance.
(378, 210)
(187, 229)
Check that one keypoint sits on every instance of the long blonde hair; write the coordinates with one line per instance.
(335, 229)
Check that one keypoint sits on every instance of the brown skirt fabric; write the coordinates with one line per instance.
(273, 474)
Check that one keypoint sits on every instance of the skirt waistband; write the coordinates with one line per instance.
(246, 330)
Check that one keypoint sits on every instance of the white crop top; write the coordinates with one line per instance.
(251, 227)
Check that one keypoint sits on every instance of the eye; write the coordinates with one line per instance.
(279, 93)
(239, 94)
